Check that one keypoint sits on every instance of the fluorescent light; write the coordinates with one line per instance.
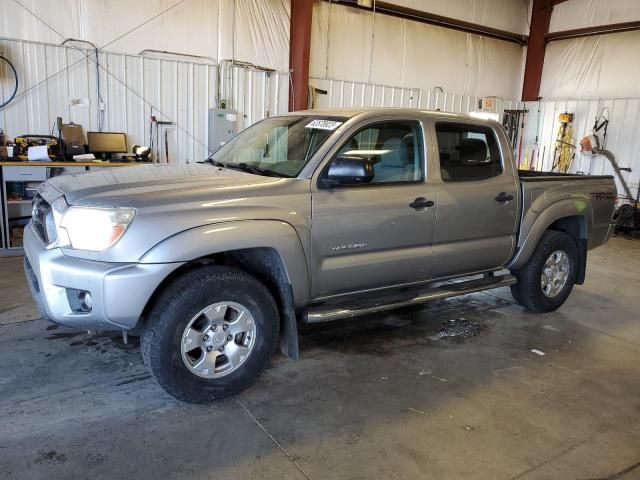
(367, 152)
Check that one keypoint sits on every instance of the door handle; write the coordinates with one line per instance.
(421, 203)
(503, 197)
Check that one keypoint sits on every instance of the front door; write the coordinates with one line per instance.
(477, 201)
(378, 234)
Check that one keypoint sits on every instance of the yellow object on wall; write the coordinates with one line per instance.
(565, 144)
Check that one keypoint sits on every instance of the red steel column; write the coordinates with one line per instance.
(540, 19)
(299, 49)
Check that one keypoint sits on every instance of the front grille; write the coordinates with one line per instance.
(39, 213)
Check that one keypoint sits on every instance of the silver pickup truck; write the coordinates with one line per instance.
(308, 217)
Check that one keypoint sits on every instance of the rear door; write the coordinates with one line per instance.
(378, 234)
(477, 200)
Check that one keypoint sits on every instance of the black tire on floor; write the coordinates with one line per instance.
(528, 291)
(179, 303)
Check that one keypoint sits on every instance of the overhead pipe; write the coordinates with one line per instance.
(224, 74)
(99, 110)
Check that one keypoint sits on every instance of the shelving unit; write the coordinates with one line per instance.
(19, 182)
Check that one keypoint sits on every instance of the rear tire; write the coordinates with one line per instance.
(236, 315)
(546, 280)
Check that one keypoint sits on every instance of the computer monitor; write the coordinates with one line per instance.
(72, 140)
(107, 142)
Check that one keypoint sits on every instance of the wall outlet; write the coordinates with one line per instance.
(79, 102)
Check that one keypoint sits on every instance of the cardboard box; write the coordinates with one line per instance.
(17, 233)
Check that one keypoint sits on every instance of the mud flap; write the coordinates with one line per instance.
(289, 325)
(582, 259)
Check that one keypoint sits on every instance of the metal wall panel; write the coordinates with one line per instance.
(133, 88)
(255, 94)
(348, 94)
(436, 99)
(623, 137)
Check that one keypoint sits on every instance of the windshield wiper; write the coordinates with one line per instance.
(245, 167)
(213, 162)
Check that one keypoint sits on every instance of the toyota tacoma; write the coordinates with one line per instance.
(312, 216)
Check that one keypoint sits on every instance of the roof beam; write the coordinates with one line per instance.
(387, 8)
(591, 31)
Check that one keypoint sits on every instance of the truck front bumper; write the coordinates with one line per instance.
(118, 292)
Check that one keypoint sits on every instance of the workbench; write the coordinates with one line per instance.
(21, 178)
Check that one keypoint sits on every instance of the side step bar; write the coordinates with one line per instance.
(364, 304)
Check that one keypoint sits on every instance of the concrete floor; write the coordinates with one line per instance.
(370, 399)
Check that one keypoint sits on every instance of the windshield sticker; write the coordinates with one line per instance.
(324, 124)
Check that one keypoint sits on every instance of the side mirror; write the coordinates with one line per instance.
(348, 171)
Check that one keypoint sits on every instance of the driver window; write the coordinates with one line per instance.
(394, 148)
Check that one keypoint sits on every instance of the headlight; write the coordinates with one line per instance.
(94, 229)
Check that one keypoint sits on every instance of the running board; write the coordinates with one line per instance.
(364, 304)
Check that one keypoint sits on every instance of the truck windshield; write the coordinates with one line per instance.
(278, 146)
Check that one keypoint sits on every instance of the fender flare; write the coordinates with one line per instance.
(206, 240)
(554, 212)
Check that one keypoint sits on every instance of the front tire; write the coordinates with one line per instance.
(547, 279)
(211, 334)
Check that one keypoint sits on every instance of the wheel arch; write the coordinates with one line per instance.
(563, 216)
(576, 227)
(209, 241)
(271, 251)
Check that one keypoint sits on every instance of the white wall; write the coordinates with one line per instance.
(623, 137)
(175, 88)
(356, 45)
(508, 15)
(589, 13)
(133, 87)
(254, 31)
(585, 75)
(604, 66)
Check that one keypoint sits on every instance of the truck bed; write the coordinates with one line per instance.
(592, 195)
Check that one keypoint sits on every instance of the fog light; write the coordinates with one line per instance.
(80, 301)
(85, 301)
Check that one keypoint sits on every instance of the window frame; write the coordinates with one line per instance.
(420, 131)
(470, 126)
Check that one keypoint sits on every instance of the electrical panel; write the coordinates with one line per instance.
(222, 127)
(488, 104)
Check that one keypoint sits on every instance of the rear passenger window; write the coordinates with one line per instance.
(467, 152)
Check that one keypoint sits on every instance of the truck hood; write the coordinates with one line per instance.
(150, 185)
(170, 199)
